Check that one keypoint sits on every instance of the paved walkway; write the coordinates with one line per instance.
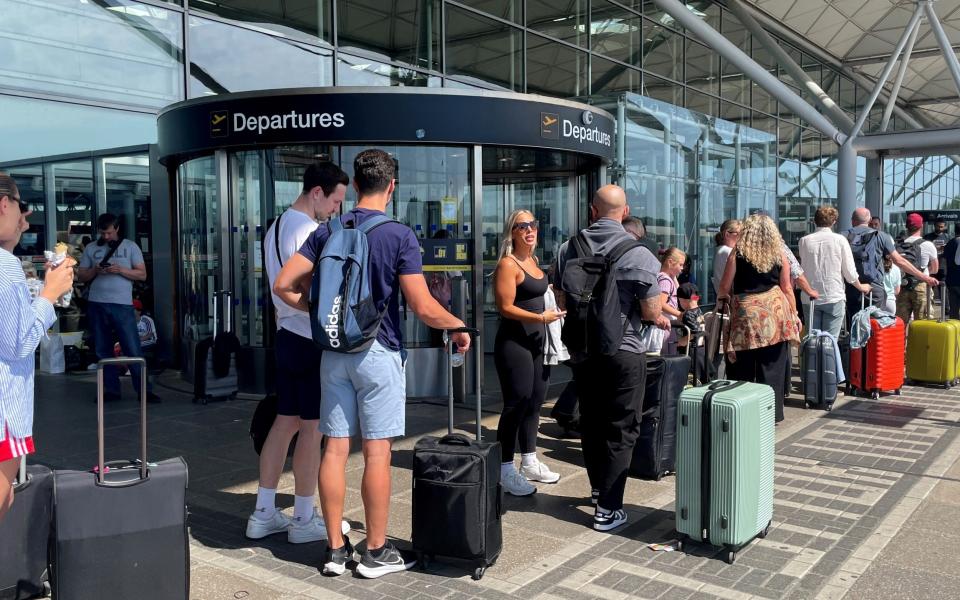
(866, 505)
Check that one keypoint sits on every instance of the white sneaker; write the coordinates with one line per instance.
(516, 484)
(539, 472)
(313, 530)
(258, 528)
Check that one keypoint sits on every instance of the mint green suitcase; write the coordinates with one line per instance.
(725, 453)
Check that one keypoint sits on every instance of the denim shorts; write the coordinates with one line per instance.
(363, 392)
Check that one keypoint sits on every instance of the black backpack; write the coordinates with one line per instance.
(593, 323)
(911, 252)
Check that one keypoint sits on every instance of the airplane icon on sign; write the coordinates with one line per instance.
(218, 118)
(548, 120)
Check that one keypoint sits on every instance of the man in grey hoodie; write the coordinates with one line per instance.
(612, 386)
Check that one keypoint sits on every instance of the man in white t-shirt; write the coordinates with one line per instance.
(298, 370)
(923, 255)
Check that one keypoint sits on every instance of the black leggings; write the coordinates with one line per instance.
(523, 382)
(763, 365)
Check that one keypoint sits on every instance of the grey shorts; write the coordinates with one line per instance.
(363, 393)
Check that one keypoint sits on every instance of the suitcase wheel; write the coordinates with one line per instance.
(423, 560)
(897, 392)
(766, 529)
(478, 573)
(730, 556)
(874, 395)
(829, 408)
(680, 544)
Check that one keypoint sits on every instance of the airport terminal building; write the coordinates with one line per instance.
(194, 121)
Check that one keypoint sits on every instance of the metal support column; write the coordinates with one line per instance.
(846, 181)
(873, 186)
(948, 54)
(904, 62)
(803, 80)
(750, 68)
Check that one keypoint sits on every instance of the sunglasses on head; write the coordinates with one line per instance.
(525, 225)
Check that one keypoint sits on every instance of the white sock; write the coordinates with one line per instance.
(266, 503)
(303, 507)
(506, 468)
(529, 460)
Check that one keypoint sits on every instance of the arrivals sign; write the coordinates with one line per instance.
(382, 116)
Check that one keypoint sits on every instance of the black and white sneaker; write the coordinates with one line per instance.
(382, 561)
(604, 520)
(594, 497)
(335, 562)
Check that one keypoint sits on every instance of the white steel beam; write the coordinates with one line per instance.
(948, 54)
(904, 63)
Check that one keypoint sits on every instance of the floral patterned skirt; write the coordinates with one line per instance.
(761, 320)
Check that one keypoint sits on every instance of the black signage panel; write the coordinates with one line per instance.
(382, 115)
(932, 216)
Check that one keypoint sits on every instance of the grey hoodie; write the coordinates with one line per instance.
(636, 274)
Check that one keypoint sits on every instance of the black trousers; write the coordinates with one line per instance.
(611, 406)
(953, 301)
(763, 365)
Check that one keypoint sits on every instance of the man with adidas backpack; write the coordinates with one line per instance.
(359, 265)
(870, 246)
(608, 284)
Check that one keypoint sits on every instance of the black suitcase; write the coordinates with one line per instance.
(25, 532)
(457, 495)
(818, 369)
(121, 533)
(207, 383)
(654, 454)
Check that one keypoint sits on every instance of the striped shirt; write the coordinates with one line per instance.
(24, 322)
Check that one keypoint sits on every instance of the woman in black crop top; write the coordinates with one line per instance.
(519, 287)
(763, 311)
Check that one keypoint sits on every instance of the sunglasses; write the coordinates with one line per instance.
(24, 207)
(526, 225)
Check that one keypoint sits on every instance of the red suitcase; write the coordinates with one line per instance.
(880, 366)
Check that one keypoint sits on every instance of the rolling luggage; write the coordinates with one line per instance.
(933, 349)
(716, 322)
(211, 381)
(25, 532)
(120, 531)
(725, 455)
(818, 368)
(655, 451)
(456, 493)
(878, 367)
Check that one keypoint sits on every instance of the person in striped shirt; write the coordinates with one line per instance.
(24, 323)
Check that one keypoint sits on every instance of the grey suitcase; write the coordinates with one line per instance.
(818, 368)
(207, 385)
(121, 531)
(25, 531)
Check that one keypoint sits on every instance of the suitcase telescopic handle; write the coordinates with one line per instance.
(448, 347)
(107, 362)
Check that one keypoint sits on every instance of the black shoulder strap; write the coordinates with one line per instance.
(622, 248)
(276, 238)
(580, 245)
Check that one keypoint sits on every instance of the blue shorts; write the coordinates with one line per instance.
(364, 392)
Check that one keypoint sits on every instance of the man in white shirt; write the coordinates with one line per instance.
(298, 370)
(912, 301)
(827, 259)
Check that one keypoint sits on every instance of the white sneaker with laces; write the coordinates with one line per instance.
(313, 530)
(258, 528)
(516, 484)
(539, 472)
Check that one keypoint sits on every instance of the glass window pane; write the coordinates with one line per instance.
(563, 19)
(223, 57)
(75, 206)
(126, 180)
(661, 89)
(304, 19)
(555, 69)
(761, 100)
(703, 67)
(610, 77)
(119, 51)
(701, 103)
(355, 70)
(616, 33)
(663, 51)
(405, 31)
(484, 49)
(199, 245)
(33, 127)
(29, 180)
(511, 10)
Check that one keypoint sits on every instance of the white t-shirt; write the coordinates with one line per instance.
(927, 252)
(719, 264)
(295, 228)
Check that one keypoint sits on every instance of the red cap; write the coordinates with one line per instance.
(914, 221)
(137, 305)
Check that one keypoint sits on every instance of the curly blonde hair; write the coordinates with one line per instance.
(760, 243)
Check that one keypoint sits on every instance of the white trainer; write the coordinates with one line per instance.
(516, 484)
(539, 472)
(312, 530)
(258, 528)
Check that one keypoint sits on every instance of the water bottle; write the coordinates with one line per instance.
(456, 358)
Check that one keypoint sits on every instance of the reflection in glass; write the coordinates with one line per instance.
(223, 59)
(554, 69)
(616, 33)
(404, 31)
(563, 19)
(117, 51)
(609, 76)
(200, 208)
(511, 10)
(305, 19)
(356, 70)
(663, 90)
(702, 67)
(29, 180)
(663, 51)
(126, 180)
(483, 49)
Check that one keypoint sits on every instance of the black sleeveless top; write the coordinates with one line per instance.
(529, 297)
(747, 280)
